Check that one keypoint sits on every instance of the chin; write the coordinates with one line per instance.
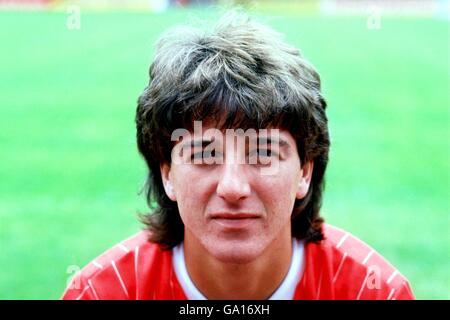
(235, 253)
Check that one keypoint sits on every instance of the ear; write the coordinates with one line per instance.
(305, 179)
(167, 183)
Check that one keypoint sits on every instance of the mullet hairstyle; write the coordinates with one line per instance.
(240, 74)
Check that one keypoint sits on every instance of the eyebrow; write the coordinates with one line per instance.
(261, 141)
(199, 143)
(268, 140)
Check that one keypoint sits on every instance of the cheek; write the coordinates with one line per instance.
(190, 208)
(284, 184)
(192, 193)
(278, 195)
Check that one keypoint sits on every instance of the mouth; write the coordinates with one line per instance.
(235, 220)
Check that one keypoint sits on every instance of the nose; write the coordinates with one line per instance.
(233, 185)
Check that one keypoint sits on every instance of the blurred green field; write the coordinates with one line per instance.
(70, 173)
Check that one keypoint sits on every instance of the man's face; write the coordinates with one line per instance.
(229, 206)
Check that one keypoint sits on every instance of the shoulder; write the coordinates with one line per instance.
(351, 269)
(121, 253)
(115, 273)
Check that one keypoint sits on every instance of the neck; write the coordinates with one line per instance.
(254, 280)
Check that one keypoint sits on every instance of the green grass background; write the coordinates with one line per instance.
(70, 173)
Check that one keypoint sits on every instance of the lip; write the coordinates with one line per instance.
(235, 220)
(231, 215)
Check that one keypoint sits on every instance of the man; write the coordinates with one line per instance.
(233, 129)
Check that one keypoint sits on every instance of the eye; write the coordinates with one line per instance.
(209, 153)
(262, 156)
(207, 157)
(197, 155)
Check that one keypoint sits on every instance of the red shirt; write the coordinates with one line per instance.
(340, 267)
